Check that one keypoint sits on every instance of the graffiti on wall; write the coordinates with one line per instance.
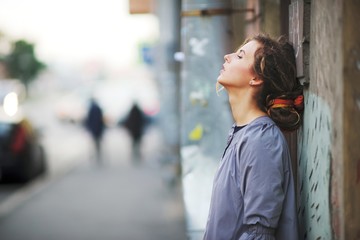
(198, 46)
(314, 165)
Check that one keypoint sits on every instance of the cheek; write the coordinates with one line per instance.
(241, 74)
(238, 76)
(247, 73)
(230, 78)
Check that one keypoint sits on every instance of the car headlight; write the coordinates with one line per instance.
(11, 104)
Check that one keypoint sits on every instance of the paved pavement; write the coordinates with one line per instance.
(116, 199)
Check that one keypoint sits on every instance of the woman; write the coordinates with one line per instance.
(253, 193)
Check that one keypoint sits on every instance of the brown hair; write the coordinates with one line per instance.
(275, 64)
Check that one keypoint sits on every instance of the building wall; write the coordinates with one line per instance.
(351, 118)
(320, 138)
(270, 20)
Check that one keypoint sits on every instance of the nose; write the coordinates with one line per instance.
(226, 57)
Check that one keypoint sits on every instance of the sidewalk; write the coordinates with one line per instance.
(117, 199)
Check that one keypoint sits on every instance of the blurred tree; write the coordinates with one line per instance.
(3, 71)
(21, 62)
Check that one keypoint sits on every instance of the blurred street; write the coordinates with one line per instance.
(117, 197)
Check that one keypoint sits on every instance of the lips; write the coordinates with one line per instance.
(222, 69)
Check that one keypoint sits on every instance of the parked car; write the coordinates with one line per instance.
(22, 156)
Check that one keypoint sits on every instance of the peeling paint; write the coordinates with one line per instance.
(198, 46)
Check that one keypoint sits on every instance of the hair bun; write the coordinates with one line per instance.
(282, 94)
(286, 112)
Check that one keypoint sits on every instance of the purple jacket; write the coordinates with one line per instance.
(253, 192)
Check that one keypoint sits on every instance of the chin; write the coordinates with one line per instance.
(219, 77)
(220, 80)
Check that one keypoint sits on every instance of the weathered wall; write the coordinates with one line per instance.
(320, 139)
(351, 118)
(270, 20)
(314, 163)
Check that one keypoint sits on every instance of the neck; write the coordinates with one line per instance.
(244, 108)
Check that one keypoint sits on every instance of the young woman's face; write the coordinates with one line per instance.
(238, 70)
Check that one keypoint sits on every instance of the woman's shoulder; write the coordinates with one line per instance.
(261, 125)
(263, 131)
(263, 142)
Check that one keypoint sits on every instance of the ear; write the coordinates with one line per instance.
(256, 82)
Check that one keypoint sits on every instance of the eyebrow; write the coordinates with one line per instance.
(241, 51)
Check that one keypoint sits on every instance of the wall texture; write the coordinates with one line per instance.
(314, 163)
(320, 148)
(351, 118)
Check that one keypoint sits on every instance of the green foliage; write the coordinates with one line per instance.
(22, 63)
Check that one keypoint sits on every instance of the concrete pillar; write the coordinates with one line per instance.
(205, 117)
(167, 76)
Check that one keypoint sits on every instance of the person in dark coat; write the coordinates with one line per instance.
(94, 123)
(135, 123)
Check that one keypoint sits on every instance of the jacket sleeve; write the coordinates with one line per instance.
(261, 181)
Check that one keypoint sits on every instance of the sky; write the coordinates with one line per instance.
(79, 31)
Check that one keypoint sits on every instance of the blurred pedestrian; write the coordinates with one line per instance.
(95, 124)
(253, 193)
(135, 123)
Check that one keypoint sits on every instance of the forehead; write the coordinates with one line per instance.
(250, 47)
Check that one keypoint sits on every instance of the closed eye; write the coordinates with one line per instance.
(241, 53)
